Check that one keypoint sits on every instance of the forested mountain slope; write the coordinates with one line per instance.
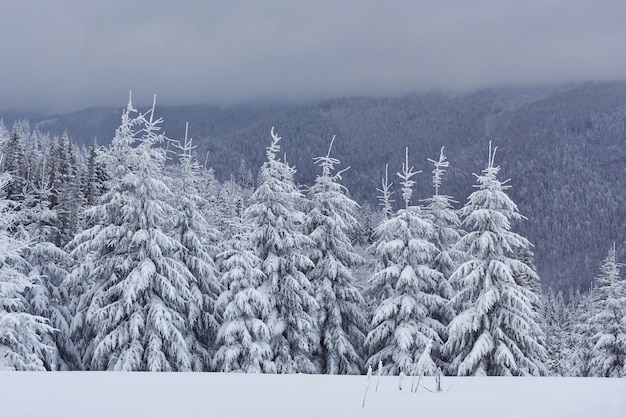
(564, 148)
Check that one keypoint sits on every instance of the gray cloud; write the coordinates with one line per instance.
(67, 54)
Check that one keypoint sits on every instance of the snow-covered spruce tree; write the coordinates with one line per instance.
(13, 161)
(405, 283)
(584, 331)
(94, 179)
(341, 320)
(558, 331)
(22, 334)
(495, 331)
(67, 199)
(440, 211)
(49, 268)
(244, 308)
(199, 247)
(138, 303)
(278, 240)
(385, 196)
(229, 209)
(609, 350)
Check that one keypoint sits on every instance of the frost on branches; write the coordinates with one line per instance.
(447, 233)
(198, 239)
(138, 303)
(22, 334)
(244, 308)
(495, 332)
(608, 355)
(341, 320)
(279, 242)
(405, 285)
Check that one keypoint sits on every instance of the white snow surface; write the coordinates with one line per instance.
(182, 395)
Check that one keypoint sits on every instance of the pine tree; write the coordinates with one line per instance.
(22, 334)
(609, 350)
(405, 285)
(279, 242)
(342, 323)
(138, 305)
(495, 331)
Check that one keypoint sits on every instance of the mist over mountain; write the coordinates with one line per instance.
(563, 147)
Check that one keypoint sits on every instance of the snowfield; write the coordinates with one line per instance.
(186, 395)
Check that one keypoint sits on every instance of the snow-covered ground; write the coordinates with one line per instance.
(182, 395)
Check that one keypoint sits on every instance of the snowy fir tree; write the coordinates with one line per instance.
(48, 296)
(584, 331)
(229, 209)
(138, 307)
(609, 349)
(557, 325)
(385, 197)
(94, 179)
(495, 331)
(279, 242)
(445, 219)
(198, 239)
(244, 310)
(405, 284)
(22, 334)
(13, 156)
(340, 317)
(67, 199)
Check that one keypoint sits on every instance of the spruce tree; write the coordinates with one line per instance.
(244, 308)
(49, 266)
(447, 233)
(558, 333)
(279, 242)
(198, 239)
(405, 284)
(14, 161)
(609, 350)
(584, 331)
(495, 332)
(341, 320)
(138, 304)
(23, 335)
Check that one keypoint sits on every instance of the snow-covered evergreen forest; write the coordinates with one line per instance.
(562, 145)
(133, 256)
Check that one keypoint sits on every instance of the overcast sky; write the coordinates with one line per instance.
(67, 54)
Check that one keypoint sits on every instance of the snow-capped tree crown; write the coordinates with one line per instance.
(406, 179)
(385, 199)
(441, 166)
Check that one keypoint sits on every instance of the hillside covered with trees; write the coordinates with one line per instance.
(135, 256)
(563, 147)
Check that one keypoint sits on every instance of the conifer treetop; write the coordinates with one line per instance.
(440, 168)
(405, 177)
(385, 194)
